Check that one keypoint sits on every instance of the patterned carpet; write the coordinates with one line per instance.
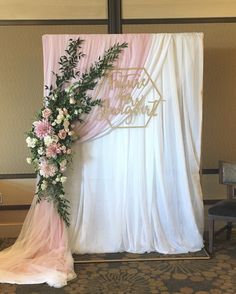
(214, 276)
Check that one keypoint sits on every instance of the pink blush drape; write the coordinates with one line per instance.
(94, 46)
(41, 253)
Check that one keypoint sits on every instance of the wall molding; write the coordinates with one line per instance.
(210, 171)
(27, 206)
(15, 207)
(178, 20)
(205, 171)
(17, 176)
(48, 22)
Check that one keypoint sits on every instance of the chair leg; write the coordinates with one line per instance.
(211, 235)
(229, 230)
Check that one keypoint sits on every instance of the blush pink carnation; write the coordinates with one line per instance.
(47, 170)
(42, 128)
(52, 150)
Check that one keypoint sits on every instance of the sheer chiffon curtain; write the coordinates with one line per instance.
(132, 189)
(41, 253)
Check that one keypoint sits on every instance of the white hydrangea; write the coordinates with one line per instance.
(48, 140)
(31, 142)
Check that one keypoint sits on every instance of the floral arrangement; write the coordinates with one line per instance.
(52, 133)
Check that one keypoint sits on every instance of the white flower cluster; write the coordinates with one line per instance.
(31, 142)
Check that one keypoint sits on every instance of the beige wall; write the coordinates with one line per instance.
(97, 9)
(178, 8)
(53, 9)
(21, 87)
(17, 191)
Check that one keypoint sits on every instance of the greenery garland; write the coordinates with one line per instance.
(52, 134)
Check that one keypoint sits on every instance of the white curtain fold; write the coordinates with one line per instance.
(138, 190)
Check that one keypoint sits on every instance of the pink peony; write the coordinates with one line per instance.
(46, 113)
(42, 128)
(47, 170)
(62, 134)
(52, 150)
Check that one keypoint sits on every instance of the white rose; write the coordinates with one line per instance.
(55, 138)
(48, 140)
(59, 119)
(63, 179)
(29, 160)
(72, 100)
(40, 151)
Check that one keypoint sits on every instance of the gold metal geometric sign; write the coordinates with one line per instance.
(137, 98)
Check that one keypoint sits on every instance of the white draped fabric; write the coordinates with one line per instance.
(138, 189)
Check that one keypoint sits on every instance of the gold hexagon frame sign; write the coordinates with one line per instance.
(137, 98)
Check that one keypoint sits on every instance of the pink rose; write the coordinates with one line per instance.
(46, 113)
(68, 151)
(42, 128)
(62, 169)
(62, 134)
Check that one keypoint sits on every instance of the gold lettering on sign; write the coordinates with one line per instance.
(138, 98)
